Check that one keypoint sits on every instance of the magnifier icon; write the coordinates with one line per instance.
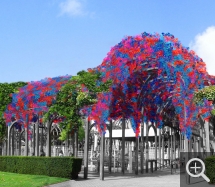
(195, 167)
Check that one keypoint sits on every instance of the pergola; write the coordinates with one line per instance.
(154, 80)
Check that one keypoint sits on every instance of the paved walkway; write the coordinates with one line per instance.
(156, 179)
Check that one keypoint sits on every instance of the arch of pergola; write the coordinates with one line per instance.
(154, 81)
(154, 73)
(27, 108)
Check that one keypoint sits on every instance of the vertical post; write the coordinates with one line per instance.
(114, 157)
(34, 140)
(123, 145)
(204, 141)
(37, 137)
(70, 143)
(180, 145)
(95, 142)
(130, 157)
(171, 158)
(147, 146)
(66, 145)
(110, 146)
(142, 149)
(12, 151)
(180, 141)
(201, 143)
(190, 146)
(156, 151)
(76, 143)
(207, 137)
(159, 148)
(136, 156)
(102, 150)
(73, 144)
(41, 147)
(26, 135)
(8, 139)
(163, 151)
(171, 135)
(86, 148)
(169, 144)
(106, 145)
(197, 145)
(186, 159)
(48, 145)
(142, 144)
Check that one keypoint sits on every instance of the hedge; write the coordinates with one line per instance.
(65, 167)
(210, 168)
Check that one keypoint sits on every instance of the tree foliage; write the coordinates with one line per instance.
(6, 89)
(205, 93)
(80, 91)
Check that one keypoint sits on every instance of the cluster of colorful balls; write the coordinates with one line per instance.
(153, 72)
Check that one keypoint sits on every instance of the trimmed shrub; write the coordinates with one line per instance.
(65, 167)
(210, 168)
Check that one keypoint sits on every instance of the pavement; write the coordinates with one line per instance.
(160, 178)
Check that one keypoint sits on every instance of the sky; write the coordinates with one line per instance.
(50, 38)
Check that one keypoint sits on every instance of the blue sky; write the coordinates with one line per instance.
(49, 38)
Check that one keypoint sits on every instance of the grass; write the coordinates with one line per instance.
(22, 180)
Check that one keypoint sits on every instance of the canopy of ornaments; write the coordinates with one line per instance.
(33, 99)
(155, 74)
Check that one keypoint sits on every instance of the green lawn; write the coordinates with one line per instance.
(21, 180)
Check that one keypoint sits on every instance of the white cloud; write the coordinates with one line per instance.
(72, 8)
(204, 46)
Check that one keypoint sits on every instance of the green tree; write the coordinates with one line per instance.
(205, 93)
(6, 89)
(71, 98)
